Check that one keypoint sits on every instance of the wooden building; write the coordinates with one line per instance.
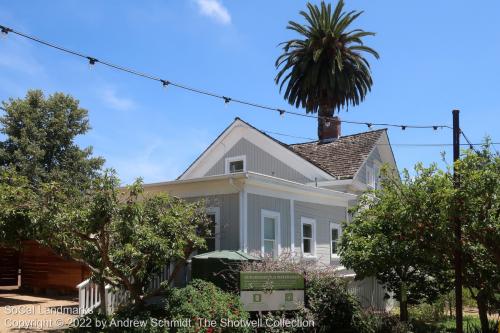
(43, 270)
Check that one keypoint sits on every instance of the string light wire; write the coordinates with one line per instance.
(94, 60)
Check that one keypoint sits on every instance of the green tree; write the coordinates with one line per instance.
(124, 236)
(325, 69)
(16, 207)
(397, 236)
(479, 204)
(39, 147)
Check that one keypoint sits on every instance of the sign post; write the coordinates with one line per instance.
(268, 291)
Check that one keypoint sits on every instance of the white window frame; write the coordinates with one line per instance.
(312, 222)
(228, 161)
(215, 211)
(276, 216)
(337, 226)
(370, 177)
(376, 175)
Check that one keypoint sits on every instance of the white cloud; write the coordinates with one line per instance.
(215, 10)
(114, 101)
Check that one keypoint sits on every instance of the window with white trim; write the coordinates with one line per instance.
(235, 164)
(370, 177)
(270, 233)
(213, 241)
(334, 239)
(308, 233)
(376, 175)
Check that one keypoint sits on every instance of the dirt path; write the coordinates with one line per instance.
(21, 312)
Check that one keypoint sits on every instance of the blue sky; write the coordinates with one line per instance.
(435, 56)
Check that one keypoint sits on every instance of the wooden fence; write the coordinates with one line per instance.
(9, 266)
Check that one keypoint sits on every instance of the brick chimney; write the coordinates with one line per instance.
(330, 131)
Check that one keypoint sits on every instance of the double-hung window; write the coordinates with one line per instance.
(270, 232)
(334, 239)
(308, 237)
(213, 241)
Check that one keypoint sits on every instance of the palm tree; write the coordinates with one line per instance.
(325, 69)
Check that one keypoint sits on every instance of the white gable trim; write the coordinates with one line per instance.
(385, 150)
(236, 132)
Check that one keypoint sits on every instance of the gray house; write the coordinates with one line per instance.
(269, 197)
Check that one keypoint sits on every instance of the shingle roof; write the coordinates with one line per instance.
(341, 158)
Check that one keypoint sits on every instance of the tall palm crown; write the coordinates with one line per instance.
(326, 68)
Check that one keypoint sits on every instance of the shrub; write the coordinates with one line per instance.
(429, 312)
(203, 300)
(386, 323)
(333, 307)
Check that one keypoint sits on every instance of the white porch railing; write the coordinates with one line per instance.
(89, 298)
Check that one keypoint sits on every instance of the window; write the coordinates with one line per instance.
(334, 239)
(213, 241)
(370, 177)
(235, 164)
(270, 233)
(376, 175)
(308, 237)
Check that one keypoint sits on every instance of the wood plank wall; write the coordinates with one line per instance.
(43, 270)
(9, 266)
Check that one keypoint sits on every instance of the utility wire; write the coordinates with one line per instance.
(93, 61)
(383, 144)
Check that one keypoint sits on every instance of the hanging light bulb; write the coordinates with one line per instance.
(92, 62)
(165, 83)
(282, 112)
(403, 127)
(4, 31)
(369, 125)
(434, 128)
(226, 100)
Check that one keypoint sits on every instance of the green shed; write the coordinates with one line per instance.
(220, 267)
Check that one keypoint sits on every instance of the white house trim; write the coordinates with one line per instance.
(292, 228)
(216, 212)
(241, 224)
(245, 221)
(334, 225)
(277, 227)
(228, 161)
(239, 130)
(312, 222)
(278, 188)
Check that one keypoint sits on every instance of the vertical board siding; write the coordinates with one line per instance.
(370, 161)
(229, 218)
(259, 161)
(370, 293)
(323, 215)
(255, 205)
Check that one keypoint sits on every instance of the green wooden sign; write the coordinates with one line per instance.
(271, 281)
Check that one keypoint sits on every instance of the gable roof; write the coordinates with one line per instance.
(240, 129)
(343, 157)
(340, 159)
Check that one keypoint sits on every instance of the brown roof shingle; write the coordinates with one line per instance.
(341, 158)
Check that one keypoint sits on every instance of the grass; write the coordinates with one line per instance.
(471, 325)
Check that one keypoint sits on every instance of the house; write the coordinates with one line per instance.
(269, 197)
